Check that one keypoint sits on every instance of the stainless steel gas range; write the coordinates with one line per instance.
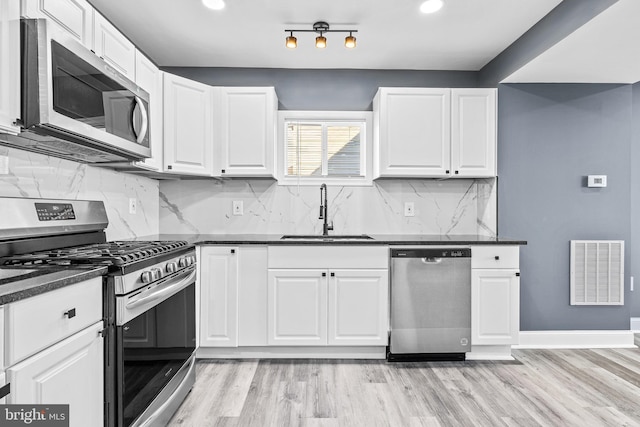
(149, 300)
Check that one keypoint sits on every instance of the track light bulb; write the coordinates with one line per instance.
(292, 42)
(350, 41)
(321, 41)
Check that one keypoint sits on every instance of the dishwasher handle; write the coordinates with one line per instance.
(431, 260)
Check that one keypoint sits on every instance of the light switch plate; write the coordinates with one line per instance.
(409, 209)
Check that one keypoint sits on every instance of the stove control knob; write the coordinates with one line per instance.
(171, 267)
(146, 277)
(182, 262)
(156, 273)
(193, 259)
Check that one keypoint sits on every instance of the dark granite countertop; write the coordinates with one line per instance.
(23, 282)
(376, 239)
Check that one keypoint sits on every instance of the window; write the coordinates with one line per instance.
(324, 147)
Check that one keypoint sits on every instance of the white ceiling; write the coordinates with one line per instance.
(604, 50)
(392, 34)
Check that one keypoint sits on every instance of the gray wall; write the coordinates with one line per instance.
(550, 137)
(634, 300)
(338, 90)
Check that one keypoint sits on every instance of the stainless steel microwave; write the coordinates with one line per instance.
(74, 104)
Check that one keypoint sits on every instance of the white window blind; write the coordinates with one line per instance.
(324, 149)
(597, 272)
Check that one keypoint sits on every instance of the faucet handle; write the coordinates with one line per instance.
(330, 226)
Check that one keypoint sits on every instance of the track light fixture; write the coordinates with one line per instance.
(320, 28)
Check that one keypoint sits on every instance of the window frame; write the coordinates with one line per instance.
(326, 117)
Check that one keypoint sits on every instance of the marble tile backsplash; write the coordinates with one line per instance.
(453, 207)
(35, 175)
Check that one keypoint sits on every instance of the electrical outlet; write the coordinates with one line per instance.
(238, 207)
(133, 205)
(409, 209)
(4, 164)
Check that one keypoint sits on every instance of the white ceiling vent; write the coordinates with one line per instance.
(597, 272)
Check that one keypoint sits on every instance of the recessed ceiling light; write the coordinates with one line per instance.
(214, 4)
(431, 6)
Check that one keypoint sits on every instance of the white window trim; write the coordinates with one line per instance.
(347, 116)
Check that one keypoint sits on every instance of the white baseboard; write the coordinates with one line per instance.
(635, 324)
(575, 339)
(291, 352)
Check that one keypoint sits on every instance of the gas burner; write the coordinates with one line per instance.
(117, 253)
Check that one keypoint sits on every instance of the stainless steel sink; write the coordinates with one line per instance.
(315, 237)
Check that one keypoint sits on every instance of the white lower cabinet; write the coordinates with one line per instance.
(69, 372)
(495, 312)
(54, 350)
(218, 296)
(495, 295)
(297, 307)
(358, 307)
(345, 307)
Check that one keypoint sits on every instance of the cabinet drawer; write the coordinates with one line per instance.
(35, 323)
(491, 256)
(328, 256)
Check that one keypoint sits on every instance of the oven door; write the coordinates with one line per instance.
(155, 343)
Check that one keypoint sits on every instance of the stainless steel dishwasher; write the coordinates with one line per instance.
(430, 304)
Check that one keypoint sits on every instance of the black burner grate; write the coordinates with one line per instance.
(116, 253)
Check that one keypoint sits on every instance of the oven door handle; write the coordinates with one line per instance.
(178, 282)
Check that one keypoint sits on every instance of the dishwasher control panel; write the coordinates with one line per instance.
(431, 253)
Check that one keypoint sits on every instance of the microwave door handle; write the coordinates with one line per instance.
(166, 289)
(145, 121)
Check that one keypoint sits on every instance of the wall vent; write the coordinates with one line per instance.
(597, 272)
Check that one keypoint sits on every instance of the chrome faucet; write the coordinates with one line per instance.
(324, 207)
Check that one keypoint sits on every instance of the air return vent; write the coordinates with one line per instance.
(597, 272)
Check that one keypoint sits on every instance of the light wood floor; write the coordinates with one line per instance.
(543, 387)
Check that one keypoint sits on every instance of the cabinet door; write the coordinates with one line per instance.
(495, 307)
(218, 297)
(473, 132)
(70, 372)
(413, 132)
(149, 78)
(9, 66)
(358, 307)
(112, 46)
(297, 307)
(73, 16)
(247, 130)
(188, 126)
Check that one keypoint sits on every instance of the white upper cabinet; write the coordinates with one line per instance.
(149, 78)
(437, 133)
(9, 66)
(247, 130)
(412, 131)
(473, 132)
(73, 16)
(113, 47)
(188, 126)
